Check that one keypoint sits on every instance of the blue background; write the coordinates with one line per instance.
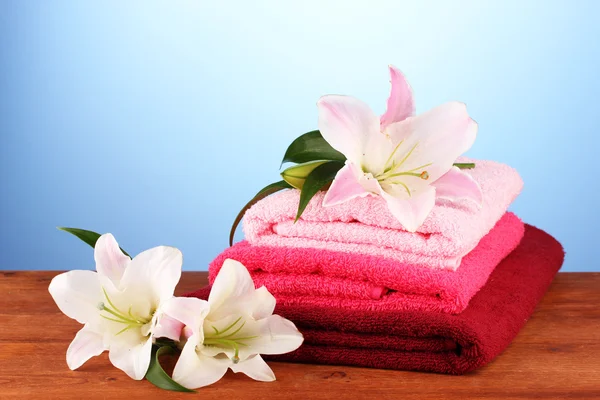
(158, 121)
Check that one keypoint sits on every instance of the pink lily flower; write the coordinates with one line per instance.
(406, 159)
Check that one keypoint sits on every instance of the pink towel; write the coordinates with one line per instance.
(365, 226)
(366, 282)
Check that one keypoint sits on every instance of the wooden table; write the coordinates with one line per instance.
(557, 355)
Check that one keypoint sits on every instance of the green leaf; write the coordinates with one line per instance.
(315, 181)
(464, 165)
(264, 192)
(158, 377)
(311, 147)
(90, 237)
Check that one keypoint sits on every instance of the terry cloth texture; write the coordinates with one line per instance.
(431, 341)
(365, 225)
(366, 282)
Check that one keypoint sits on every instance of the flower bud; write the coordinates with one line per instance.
(297, 174)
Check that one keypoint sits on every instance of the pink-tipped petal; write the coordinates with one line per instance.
(438, 136)
(456, 185)
(110, 260)
(400, 104)
(168, 327)
(188, 311)
(346, 186)
(411, 212)
(351, 127)
(87, 344)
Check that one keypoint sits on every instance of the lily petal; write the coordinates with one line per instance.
(353, 129)
(130, 352)
(261, 303)
(190, 311)
(168, 327)
(275, 335)
(87, 344)
(194, 370)
(110, 260)
(436, 137)
(413, 211)
(400, 104)
(256, 368)
(156, 270)
(345, 186)
(77, 294)
(456, 185)
(232, 282)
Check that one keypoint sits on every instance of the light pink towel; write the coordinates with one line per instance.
(365, 282)
(365, 226)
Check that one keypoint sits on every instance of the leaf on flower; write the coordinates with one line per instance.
(264, 192)
(89, 237)
(157, 376)
(315, 181)
(311, 147)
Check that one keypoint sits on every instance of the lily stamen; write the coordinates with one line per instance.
(391, 157)
(217, 332)
(236, 331)
(405, 157)
(416, 174)
(391, 170)
(403, 185)
(128, 319)
(229, 340)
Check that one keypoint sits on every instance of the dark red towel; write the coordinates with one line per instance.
(432, 341)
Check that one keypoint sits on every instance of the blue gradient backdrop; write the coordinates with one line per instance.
(157, 121)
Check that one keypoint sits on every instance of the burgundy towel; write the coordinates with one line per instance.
(432, 341)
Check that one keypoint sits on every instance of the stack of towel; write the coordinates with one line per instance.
(365, 292)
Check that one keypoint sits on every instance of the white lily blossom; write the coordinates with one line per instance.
(230, 330)
(405, 159)
(119, 304)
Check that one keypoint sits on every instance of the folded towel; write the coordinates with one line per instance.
(365, 282)
(431, 341)
(365, 225)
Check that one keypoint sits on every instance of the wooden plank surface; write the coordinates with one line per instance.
(556, 356)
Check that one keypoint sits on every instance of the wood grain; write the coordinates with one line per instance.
(556, 356)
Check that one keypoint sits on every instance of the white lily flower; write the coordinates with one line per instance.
(405, 159)
(119, 304)
(230, 330)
